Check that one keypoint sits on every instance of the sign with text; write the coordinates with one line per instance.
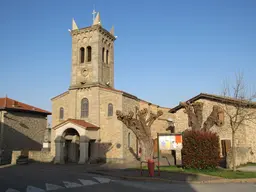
(170, 142)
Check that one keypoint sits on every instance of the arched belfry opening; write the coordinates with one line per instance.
(71, 144)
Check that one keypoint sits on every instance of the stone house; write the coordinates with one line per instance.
(84, 122)
(22, 127)
(245, 135)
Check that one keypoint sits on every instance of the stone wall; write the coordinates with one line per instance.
(111, 130)
(58, 102)
(97, 70)
(23, 131)
(245, 135)
(37, 156)
(251, 141)
(161, 125)
(242, 157)
(180, 121)
(41, 156)
(93, 96)
(130, 152)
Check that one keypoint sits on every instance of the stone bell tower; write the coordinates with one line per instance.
(92, 55)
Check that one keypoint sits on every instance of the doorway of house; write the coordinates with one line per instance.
(71, 146)
(225, 147)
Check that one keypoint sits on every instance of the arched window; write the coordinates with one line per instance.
(84, 107)
(61, 114)
(107, 56)
(81, 55)
(89, 53)
(129, 140)
(110, 109)
(103, 52)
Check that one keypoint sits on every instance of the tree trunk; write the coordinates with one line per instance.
(147, 149)
(233, 151)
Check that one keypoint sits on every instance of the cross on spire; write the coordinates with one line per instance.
(93, 14)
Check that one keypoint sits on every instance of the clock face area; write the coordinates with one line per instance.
(85, 75)
(85, 72)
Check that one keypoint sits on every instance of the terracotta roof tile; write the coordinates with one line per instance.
(11, 104)
(78, 122)
(212, 97)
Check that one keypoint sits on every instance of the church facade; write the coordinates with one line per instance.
(84, 124)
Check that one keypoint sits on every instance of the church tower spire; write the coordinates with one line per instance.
(74, 25)
(92, 55)
(112, 31)
(97, 20)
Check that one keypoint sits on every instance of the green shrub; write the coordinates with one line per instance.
(200, 150)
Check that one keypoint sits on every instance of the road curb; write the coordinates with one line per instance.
(154, 179)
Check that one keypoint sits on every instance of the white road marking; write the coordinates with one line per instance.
(34, 189)
(71, 184)
(51, 187)
(102, 179)
(87, 182)
(11, 190)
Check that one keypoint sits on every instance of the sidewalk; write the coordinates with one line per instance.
(248, 168)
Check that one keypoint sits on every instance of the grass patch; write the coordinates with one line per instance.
(228, 174)
(251, 164)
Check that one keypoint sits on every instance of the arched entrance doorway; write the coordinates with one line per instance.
(71, 145)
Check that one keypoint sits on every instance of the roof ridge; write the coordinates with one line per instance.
(83, 120)
(25, 106)
(213, 96)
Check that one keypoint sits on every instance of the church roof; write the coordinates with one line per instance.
(212, 97)
(78, 122)
(14, 105)
(126, 94)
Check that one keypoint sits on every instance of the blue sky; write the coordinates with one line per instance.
(166, 51)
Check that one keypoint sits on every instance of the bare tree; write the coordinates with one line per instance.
(140, 125)
(240, 111)
(195, 116)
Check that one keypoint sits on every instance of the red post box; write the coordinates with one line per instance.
(151, 167)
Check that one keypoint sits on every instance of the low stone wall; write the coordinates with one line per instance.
(39, 156)
(242, 157)
(15, 155)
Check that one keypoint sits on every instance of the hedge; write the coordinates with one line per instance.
(200, 150)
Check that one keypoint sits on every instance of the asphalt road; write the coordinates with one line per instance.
(42, 178)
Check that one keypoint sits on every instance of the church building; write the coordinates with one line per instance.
(84, 123)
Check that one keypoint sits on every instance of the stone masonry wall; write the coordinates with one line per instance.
(57, 103)
(161, 125)
(23, 131)
(251, 141)
(180, 121)
(71, 102)
(111, 130)
(38, 156)
(244, 137)
(93, 96)
(130, 152)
